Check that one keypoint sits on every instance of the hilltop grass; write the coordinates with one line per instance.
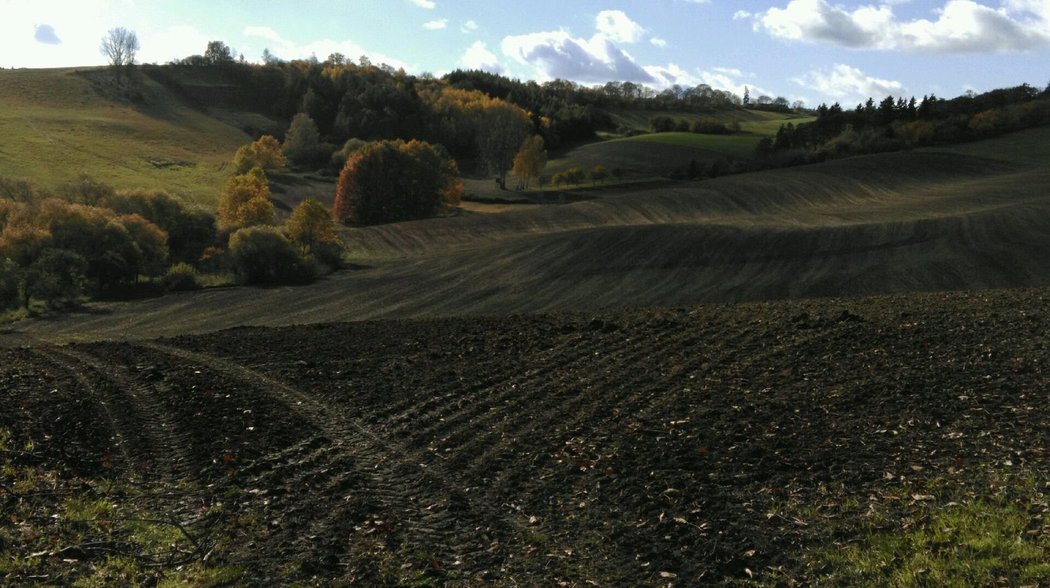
(738, 146)
(59, 125)
(751, 121)
(1031, 146)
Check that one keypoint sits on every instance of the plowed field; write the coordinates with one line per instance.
(718, 444)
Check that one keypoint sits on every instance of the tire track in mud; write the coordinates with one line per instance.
(423, 512)
(122, 431)
(142, 411)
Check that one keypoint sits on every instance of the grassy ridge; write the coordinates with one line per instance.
(60, 124)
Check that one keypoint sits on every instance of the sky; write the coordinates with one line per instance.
(816, 51)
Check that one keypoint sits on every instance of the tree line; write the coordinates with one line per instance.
(896, 123)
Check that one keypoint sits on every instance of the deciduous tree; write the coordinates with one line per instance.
(245, 202)
(264, 153)
(311, 228)
(530, 160)
(120, 46)
(392, 181)
(501, 129)
(302, 141)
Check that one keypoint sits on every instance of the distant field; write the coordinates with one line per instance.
(57, 126)
(739, 146)
(1027, 147)
(657, 154)
(752, 121)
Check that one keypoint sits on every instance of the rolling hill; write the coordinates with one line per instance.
(893, 223)
(153, 139)
(823, 375)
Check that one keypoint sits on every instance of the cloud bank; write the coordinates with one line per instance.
(959, 26)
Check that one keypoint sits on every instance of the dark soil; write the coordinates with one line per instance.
(681, 446)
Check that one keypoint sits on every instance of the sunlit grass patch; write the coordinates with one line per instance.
(989, 540)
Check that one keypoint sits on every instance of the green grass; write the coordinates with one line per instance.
(740, 146)
(993, 538)
(1031, 146)
(100, 512)
(58, 124)
(751, 121)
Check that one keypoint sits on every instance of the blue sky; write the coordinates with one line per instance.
(810, 50)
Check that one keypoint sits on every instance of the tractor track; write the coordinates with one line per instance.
(413, 501)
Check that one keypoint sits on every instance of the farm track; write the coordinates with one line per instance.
(415, 502)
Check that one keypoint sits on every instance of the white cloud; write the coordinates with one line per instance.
(960, 26)
(616, 26)
(742, 15)
(435, 25)
(478, 56)
(428, 4)
(658, 42)
(669, 75)
(558, 55)
(469, 27)
(599, 59)
(848, 84)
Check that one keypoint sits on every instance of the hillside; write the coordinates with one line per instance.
(660, 154)
(895, 223)
(154, 139)
(827, 442)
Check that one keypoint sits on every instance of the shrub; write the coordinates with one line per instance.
(181, 277)
(58, 277)
(9, 278)
(264, 256)
(189, 231)
(85, 190)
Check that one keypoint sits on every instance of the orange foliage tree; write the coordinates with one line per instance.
(392, 181)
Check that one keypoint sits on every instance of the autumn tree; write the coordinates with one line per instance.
(312, 229)
(501, 129)
(530, 160)
(246, 202)
(302, 142)
(263, 153)
(120, 46)
(392, 181)
(190, 231)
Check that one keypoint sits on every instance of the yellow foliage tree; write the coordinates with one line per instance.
(312, 229)
(530, 160)
(246, 202)
(265, 154)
